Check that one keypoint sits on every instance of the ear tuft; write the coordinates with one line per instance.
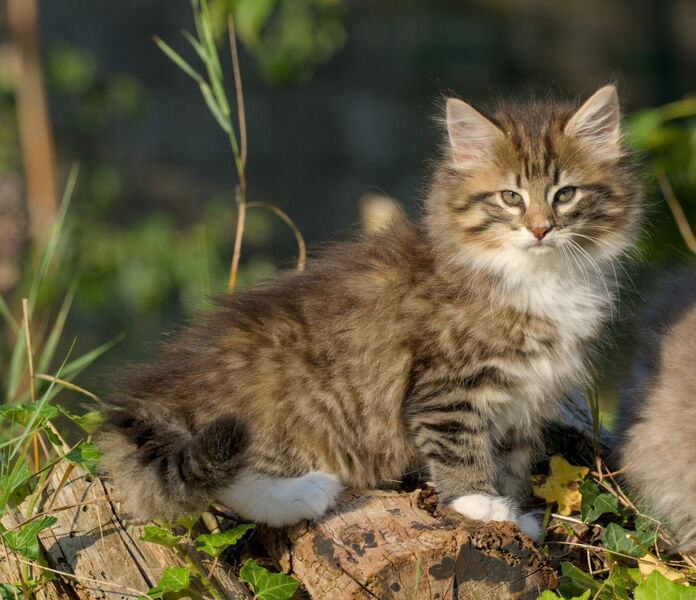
(471, 135)
(598, 122)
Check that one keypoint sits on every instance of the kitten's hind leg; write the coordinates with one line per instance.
(280, 501)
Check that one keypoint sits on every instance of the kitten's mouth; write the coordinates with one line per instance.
(540, 248)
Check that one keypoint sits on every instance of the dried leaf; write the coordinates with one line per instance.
(561, 484)
(648, 563)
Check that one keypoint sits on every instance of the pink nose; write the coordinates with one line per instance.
(539, 232)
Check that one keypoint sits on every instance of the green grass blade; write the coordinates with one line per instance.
(17, 368)
(74, 367)
(200, 50)
(213, 64)
(57, 330)
(223, 121)
(7, 314)
(39, 405)
(177, 59)
(55, 236)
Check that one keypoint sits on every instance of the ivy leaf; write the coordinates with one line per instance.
(174, 579)
(85, 455)
(658, 587)
(157, 535)
(89, 422)
(549, 595)
(616, 540)
(575, 582)
(267, 585)
(216, 543)
(594, 504)
(644, 523)
(561, 484)
(24, 413)
(621, 580)
(25, 541)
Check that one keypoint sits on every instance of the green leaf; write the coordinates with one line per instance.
(216, 543)
(616, 540)
(25, 541)
(174, 579)
(267, 585)
(549, 595)
(575, 582)
(85, 455)
(157, 535)
(89, 422)
(622, 581)
(250, 17)
(658, 587)
(644, 523)
(24, 413)
(9, 591)
(595, 504)
(15, 484)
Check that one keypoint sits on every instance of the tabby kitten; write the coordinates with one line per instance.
(440, 346)
(656, 429)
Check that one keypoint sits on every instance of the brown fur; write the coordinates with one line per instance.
(390, 354)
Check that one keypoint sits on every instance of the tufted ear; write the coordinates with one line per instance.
(598, 122)
(471, 135)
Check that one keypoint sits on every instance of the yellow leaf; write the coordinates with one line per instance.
(561, 484)
(648, 563)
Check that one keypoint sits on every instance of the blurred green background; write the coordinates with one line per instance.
(340, 100)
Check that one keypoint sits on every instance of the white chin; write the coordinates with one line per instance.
(540, 249)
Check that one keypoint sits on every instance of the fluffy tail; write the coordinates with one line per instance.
(162, 467)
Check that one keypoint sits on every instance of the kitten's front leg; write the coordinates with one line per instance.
(455, 440)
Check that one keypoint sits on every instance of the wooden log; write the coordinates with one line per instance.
(378, 544)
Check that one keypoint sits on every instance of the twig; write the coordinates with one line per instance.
(83, 578)
(47, 513)
(241, 117)
(677, 211)
(27, 335)
(301, 247)
(68, 385)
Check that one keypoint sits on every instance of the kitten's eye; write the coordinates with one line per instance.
(565, 194)
(511, 198)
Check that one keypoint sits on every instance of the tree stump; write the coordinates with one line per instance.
(396, 545)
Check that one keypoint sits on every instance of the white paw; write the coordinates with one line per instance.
(280, 501)
(484, 507)
(529, 525)
(315, 493)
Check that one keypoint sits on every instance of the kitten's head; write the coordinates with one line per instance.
(535, 184)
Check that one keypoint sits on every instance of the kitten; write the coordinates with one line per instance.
(656, 429)
(441, 346)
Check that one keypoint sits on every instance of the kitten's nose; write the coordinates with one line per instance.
(539, 232)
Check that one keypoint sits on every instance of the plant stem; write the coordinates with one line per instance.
(194, 569)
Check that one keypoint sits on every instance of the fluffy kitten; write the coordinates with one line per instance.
(440, 346)
(656, 428)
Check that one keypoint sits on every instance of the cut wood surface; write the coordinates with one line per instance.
(390, 544)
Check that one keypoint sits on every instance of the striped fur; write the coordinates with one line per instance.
(439, 347)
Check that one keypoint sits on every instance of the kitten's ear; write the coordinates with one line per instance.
(598, 122)
(471, 135)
